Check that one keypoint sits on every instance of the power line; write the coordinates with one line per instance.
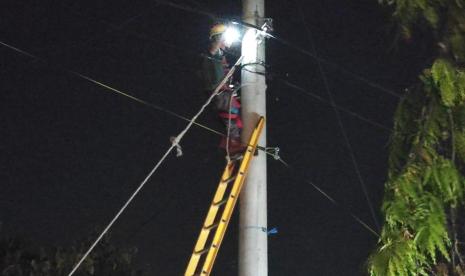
(183, 49)
(340, 68)
(157, 107)
(321, 99)
(284, 42)
(118, 27)
(184, 118)
(191, 10)
(295, 173)
(120, 92)
(139, 35)
(339, 120)
(320, 190)
(174, 144)
(137, 99)
(192, 122)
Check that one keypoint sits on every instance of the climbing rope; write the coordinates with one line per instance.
(175, 143)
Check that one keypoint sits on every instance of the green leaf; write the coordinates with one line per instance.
(431, 16)
(444, 76)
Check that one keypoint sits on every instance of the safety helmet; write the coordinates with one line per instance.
(217, 29)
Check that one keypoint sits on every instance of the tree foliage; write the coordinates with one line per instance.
(20, 258)
(446, 19)
(426, 183)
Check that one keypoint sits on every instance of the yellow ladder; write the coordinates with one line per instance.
(206, 252)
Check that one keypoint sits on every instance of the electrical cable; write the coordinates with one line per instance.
(118, 27)
(191, 121)
(139, 35)
(339, 120)
(183, 49)
(348, 111)
(180, 116)
(174, 144)
(120, 92)
(284, 42)
(295, 173)
(319, 98)
(148, 104)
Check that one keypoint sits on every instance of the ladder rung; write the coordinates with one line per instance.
(203, 251)
(235, 171)
(210, 227)
(229, 180)
(219, 203)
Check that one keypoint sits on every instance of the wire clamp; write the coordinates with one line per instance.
(265, 29)
(274, 151)
(267, 25)
(175, 141)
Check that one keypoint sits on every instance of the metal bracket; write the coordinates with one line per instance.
(273, 152)
(267, 25)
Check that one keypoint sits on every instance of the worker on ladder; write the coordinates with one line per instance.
(214, 69)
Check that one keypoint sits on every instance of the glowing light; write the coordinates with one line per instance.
(231, 35)
(249, 46)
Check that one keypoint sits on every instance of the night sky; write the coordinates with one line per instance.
(72, 152)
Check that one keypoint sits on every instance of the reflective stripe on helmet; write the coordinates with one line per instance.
(217, 29)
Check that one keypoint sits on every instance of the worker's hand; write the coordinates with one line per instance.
(226, 88)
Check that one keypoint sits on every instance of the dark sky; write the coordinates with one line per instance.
(72, 152)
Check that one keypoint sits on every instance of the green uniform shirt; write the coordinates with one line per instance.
(212, 70)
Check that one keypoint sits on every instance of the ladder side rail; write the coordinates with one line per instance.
(209, 221)
(236, 189)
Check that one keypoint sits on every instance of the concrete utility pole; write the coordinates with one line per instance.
(253, 237)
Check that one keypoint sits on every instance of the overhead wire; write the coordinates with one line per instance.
(342, 69)
(174, 144)
(125, 94)
(118, 91)
(190, 9)
(320, 190)
(166, 154)
(295, 172)
(339, 120)
(118, 27)
(341, 108)
(186, 119)
(183, 49)
(319, 98)
(284, 81)
(284, 42)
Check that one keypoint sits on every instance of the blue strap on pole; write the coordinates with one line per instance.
(272, 231)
